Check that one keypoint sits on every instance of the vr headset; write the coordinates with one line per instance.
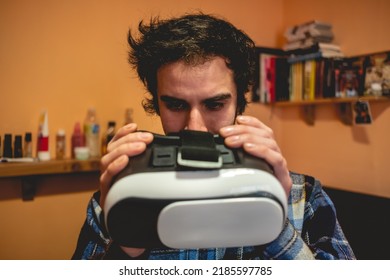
(188, 190)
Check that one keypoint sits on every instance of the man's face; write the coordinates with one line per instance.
(201, 97)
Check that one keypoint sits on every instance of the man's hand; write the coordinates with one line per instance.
(258, 140)
(126, 143)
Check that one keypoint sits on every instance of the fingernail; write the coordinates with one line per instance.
(234, 139)
(249, 146)
(241, 119)
(120, 160)
(130, 126)
(145, 136)
(227, 130)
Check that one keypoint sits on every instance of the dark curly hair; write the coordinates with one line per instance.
(194, 39)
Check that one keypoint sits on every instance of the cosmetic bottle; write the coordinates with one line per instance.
(43, 151)
(60, 144)
(27, 148)
(92, 133)
(128, 116)
(18, 149)
(7, 146)
(108, 135)
(78, 139)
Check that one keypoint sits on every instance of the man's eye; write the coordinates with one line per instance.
(214, 106)
(176, 106)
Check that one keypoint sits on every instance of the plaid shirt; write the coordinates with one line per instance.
(311, 231)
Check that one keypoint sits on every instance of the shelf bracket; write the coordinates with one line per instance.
(309, 113)
(29, 187)
(345, 113)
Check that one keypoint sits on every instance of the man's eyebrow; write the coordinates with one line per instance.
(218, 97)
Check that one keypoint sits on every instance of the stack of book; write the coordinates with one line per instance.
(320, 78)
(313, 39)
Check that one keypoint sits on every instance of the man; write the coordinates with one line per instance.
(197, 69)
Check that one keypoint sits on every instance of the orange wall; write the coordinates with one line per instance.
(66, 56)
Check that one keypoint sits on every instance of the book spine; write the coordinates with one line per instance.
(308, 80)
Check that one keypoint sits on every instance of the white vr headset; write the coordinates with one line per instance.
(188, 190)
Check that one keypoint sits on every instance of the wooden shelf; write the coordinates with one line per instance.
(29, 172)
(330, 101)
(15, 169)
(343, 106)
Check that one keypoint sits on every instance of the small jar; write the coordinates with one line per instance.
(81, 153)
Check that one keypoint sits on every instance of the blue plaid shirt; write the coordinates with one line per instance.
(311, 231)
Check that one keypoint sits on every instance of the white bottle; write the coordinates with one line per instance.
(92, 133)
